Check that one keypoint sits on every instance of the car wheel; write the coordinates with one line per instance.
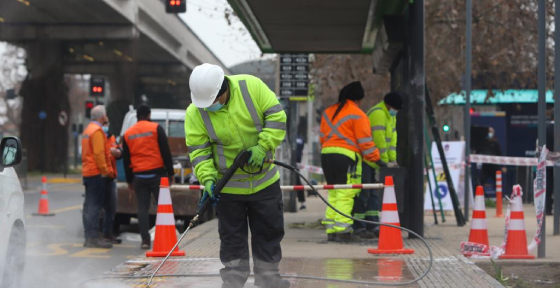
(15, 260)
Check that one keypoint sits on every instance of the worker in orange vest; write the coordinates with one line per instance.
(110, 205)
(345, 137)
(96, 172)
(147, 158)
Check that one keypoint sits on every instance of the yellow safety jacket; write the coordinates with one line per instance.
(384, 133)
(252, 116)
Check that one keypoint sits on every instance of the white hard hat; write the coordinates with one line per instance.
(205, 83)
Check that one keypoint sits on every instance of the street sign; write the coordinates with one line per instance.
(63, 118)
(294, 75)
(42, 115)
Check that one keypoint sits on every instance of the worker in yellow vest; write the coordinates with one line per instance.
(383, 120)
(230, 114)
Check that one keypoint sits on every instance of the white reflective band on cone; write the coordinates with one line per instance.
(164, 196)
(517, 224)
(389, 195)
(479, 203)
(165, 219)
(479, 224)
(390, 217)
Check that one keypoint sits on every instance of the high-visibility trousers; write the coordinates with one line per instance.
(341, 169)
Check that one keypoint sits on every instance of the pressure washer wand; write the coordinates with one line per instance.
(241, 159)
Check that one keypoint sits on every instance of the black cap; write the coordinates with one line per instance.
(394, 100)
(143, 111)
(352, 91)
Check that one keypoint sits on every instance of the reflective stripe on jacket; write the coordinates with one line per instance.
(142, 141)
(384, 132)
(90, 166)
(350, 129)
(251, 116)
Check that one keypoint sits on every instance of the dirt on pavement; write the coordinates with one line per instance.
(523, 274)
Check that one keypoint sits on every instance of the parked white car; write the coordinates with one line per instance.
(12, 217)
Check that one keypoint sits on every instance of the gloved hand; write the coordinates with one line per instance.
(392, 165)
(258, 153)
(209, 192)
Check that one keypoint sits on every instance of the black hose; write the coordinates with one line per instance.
(289, 167)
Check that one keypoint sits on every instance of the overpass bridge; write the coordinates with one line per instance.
(130, 41)
(140, 49)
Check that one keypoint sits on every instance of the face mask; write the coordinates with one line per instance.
(393, 112)
(215, 107)
(490, 135)
(105, 129)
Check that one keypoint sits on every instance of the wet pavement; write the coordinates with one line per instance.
(306, 253)
(202, 272)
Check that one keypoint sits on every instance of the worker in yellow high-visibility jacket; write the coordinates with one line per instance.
(383, 120)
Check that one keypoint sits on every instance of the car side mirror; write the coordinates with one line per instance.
(11, 151)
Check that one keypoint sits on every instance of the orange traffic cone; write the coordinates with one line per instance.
(499, 212)
(479, 226)
(43, 209)
(165, 225)
(390, 239)
(516, 245)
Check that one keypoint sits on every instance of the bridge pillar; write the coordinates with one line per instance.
(123, 86)
(45, 95)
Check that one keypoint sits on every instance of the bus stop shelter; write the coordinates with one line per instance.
(391, 30)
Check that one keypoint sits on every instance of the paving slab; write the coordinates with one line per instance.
(306, 253)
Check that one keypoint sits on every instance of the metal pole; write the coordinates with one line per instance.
(292, 138)
(431, 191)
(416, 116)
(467, 115)
(542, 101)
(557, 116)
(431, 161)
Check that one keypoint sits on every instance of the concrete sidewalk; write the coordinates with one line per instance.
(306, 252)
(451, 236)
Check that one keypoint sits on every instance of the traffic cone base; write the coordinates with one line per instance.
(166, 236)
(390, 238)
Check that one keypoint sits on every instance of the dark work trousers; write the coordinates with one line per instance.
(96, 187)
(263, 213)
(110, 208)
(366, 204)
(487, 172)
(144, 189)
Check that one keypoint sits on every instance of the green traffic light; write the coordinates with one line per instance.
(446, 128)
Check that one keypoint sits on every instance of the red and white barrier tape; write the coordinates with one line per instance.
(300, 187)
(504, 160)
(539, 189)
(310, 168)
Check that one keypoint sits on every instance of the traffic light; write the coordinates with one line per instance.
(446, 128)
(97, 86)
(89, 106)
(175, 6)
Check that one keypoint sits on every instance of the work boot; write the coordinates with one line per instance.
(146, 243)
(113, 239)
(347, 238)
(364, 234)
(232, 285)
(272, 282)
(97, 243)
(376, 231)
(331, 237)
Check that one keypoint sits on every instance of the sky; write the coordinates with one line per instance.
(232, 44)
